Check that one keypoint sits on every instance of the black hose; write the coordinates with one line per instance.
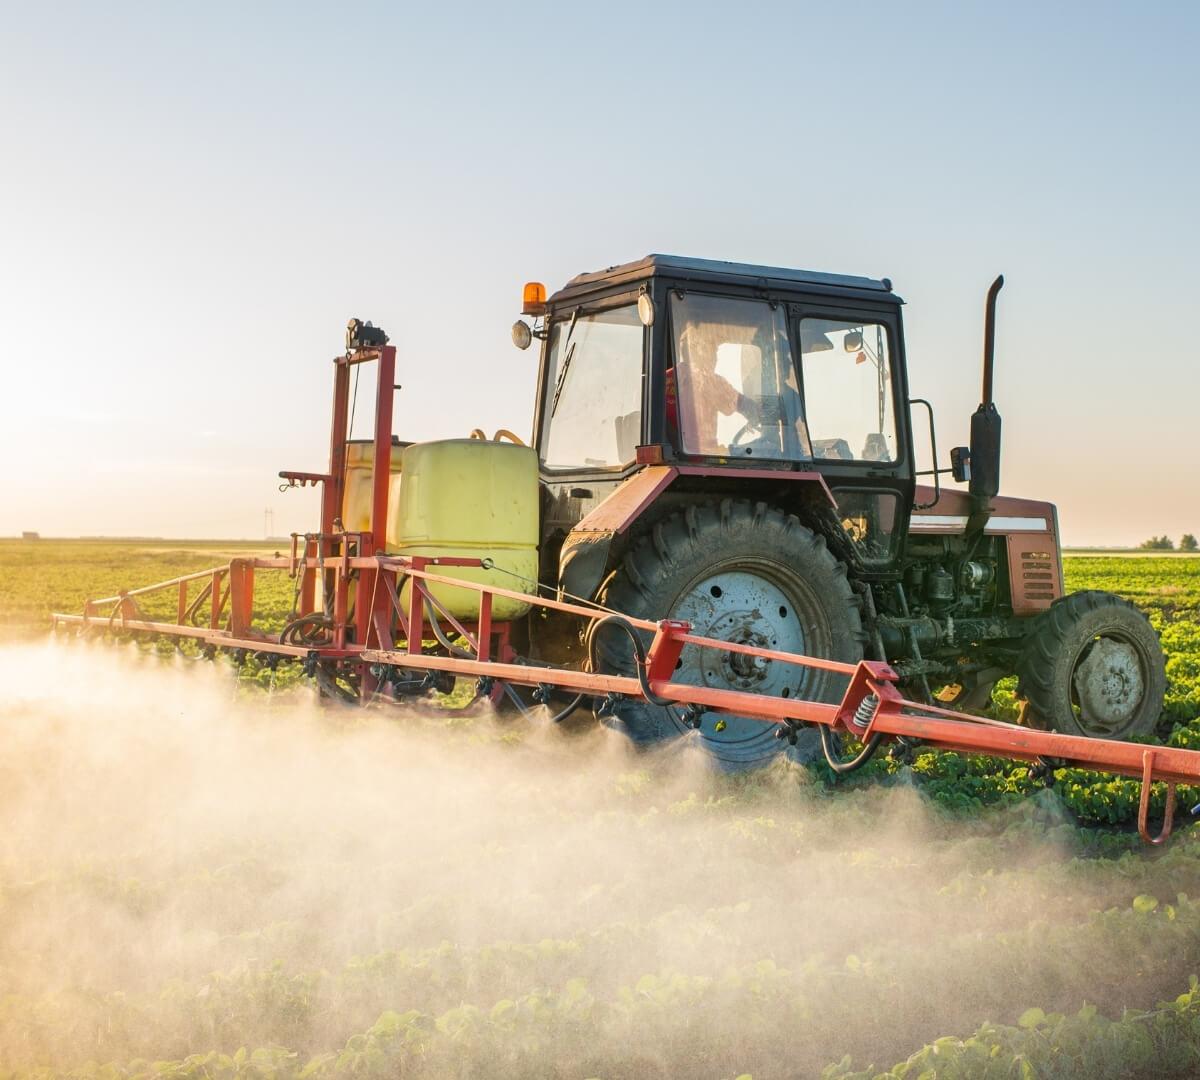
(443, 640)
(639, 653)
(515, 698)
(310, 630)
(569, 708)
(842, 767)
(332, 688)
(464, 654)
(557, 718)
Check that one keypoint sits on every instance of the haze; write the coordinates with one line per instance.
(197, 199)
(188, 869)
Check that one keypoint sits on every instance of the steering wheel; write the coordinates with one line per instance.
(749, 429)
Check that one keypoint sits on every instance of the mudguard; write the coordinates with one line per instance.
(585, 553)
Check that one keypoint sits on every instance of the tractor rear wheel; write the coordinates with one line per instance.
(1093, 666)
(742, 573)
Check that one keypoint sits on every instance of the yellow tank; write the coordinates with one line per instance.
(360, 473)
(471, 499)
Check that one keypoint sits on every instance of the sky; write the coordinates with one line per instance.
(198, 197)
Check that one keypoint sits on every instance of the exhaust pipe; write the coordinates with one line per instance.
(985, 426)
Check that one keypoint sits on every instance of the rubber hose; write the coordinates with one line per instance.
(842, 767)
(571, 706)
(639, 653)
(301, 631)
(463, 654)
(440, 634)
(515, 698)
(332, 688)
(558, 718)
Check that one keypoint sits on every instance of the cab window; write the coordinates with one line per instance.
(848, 389)
(731, 387)
(592, 416)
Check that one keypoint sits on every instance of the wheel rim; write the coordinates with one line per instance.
(748, 604)
(1108, 686)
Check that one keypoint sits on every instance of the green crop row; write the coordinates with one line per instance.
(1163, 1043)
(753, 1019)
(1069, 951)
(626, 925)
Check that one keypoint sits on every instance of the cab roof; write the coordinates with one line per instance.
(678, 267)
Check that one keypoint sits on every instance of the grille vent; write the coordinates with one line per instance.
(1037, 576)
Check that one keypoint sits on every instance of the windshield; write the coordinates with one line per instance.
(731, 390)
(592, 414)
(847, 389)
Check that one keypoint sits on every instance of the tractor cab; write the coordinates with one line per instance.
(731, 447)
(758, 381)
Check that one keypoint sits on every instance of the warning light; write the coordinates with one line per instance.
(533, 302)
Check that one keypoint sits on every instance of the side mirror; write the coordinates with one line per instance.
(852, 342)
(960, 463)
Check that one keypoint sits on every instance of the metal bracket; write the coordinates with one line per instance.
(1144, 802)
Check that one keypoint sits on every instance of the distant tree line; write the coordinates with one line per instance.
(1187, 542)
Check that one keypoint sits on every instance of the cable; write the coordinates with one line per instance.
(540, 589)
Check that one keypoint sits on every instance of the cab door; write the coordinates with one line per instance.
(851, 374)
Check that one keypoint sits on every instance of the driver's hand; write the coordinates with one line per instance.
(749, 408)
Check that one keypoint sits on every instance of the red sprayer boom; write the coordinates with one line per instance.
(393, 662)
(375, 625)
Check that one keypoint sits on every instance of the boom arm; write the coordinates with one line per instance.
(403, 608)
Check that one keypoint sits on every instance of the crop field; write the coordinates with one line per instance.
(205, 875)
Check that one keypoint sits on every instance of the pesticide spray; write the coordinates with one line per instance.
(189, 868)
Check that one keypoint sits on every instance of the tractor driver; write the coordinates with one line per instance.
(703, 393)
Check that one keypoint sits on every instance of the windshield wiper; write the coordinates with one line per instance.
(568, 352)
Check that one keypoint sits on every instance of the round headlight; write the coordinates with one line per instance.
(646, 309)
(522, 336)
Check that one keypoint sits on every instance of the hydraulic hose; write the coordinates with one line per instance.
(557, 718)
(465, 654)
(570, 707)
(313, 629)
(440, 634)
(857, 762)
(639, 653)
(332, 688)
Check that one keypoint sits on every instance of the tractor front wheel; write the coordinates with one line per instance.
(1093, 666)
(742, 573)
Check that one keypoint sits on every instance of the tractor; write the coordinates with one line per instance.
(718, 531)
(732, 445)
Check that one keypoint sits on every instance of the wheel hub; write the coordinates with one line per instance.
(1109, 683)
(740, 668)
(745, 608)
